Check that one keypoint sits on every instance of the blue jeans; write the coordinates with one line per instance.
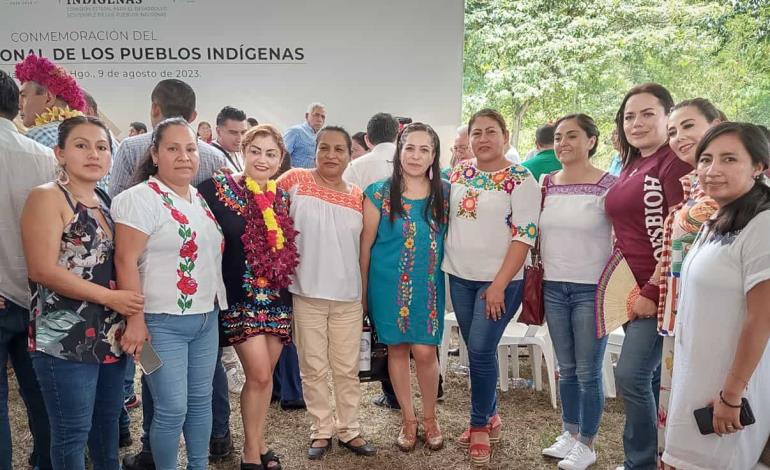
(182, 387)
(128, 392)
(287, 385)
(482, 336)
(569, 312)
(14, 321)
(638, 378)
(83, 402)
(220, 406)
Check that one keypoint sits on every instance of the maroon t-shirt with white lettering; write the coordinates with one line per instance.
(637, 205)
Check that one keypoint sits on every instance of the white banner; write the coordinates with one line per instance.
(269, 58)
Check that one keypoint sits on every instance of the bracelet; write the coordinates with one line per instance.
(724, 402)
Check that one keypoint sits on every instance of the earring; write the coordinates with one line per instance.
(155, 164)
(430, 174)
(61, 175)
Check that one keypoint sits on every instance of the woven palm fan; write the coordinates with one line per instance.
(615, 295)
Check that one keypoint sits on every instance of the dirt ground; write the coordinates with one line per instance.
(529, 425)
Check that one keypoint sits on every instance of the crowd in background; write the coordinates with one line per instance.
(263, 251)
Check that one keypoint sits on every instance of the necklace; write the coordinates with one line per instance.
(264, 201)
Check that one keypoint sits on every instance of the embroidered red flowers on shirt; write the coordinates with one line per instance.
(188, 252)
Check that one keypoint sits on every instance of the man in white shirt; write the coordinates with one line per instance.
(231, 126)
(24, 164)
(381, 134)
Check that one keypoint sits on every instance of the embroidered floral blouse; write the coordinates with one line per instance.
(181, 268)
(329, 223)
(679, 232)
(488, 210)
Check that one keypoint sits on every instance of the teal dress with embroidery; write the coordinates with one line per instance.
(406, 284)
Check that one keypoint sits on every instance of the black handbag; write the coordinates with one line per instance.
(378, 370)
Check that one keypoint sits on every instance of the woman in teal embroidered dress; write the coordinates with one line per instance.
(402, 246)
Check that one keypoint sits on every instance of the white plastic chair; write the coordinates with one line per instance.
(450, 323)
(539, 342)
(611, 354)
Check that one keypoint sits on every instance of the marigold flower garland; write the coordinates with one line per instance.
(265, 201)
(55, 114)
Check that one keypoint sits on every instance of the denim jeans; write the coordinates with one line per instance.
(482, 335)
(83, 402)
(182, 387)
(14, 321)
(287, 385)
(638, 378)
(220, 406)
(569, 312)
(128, 392)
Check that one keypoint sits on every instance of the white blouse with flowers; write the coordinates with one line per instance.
(181, 267)
(487, 211)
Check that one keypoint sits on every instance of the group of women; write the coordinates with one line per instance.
(688, 213)
(255, 262)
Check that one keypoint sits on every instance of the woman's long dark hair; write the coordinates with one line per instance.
(147, 167)
(629, 153)
(434, 208)
(737, 214)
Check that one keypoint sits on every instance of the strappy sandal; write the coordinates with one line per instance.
(495, 431)
(407, 436)
(251, 466)
(479, 452)
(434, 440)
(269, 457)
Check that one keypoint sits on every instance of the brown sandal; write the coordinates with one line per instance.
(407, 436)
(434, 440)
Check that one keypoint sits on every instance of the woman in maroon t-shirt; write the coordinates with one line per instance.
(637, 205)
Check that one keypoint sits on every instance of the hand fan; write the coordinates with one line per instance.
(616, 293)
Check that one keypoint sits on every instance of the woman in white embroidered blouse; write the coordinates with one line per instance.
(573, 221)
(328, 316)
(493, 215)
(166, 236)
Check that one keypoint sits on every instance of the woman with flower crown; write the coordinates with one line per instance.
(260, 255)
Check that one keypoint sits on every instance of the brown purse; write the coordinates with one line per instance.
(532, 305)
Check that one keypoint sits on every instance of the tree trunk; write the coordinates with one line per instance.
(519, 110)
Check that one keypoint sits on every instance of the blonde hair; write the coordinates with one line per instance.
(263, 130)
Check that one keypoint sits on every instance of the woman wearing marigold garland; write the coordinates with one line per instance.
(259, 257)
(168, 246)
(402, 245)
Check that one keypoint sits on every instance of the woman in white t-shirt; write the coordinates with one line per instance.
(722, 322)
(493, 212)
(169, 248)
(573, 222)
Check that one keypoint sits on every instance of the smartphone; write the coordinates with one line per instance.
(704, 417)
(149, 361)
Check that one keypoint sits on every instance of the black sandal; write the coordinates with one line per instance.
(267, 458)
(251, 466)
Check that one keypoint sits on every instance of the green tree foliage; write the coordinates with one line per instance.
(536, 60)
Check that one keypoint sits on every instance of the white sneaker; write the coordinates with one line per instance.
(561, 447)
(620, 468)
(235, 381)
(579, 458)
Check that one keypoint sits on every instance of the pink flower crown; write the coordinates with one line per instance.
(44, 72)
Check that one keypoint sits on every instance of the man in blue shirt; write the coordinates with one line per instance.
(300, 139)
